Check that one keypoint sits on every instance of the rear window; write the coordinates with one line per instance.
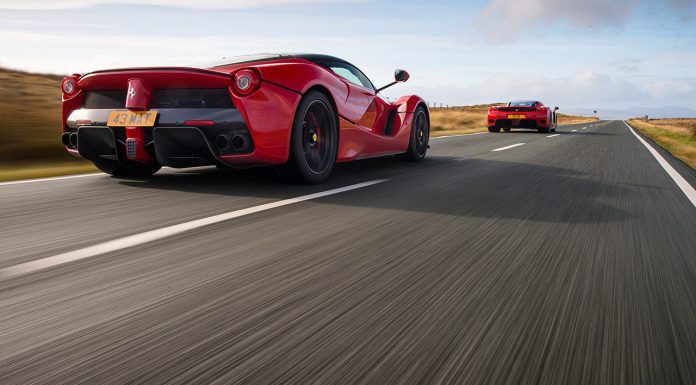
(523, 104)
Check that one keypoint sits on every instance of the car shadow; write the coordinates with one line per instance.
(467, 187)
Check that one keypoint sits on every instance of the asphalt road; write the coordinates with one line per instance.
(568, 259)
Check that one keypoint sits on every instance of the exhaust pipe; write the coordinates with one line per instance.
(222, 142)
(65, 139)
(69, 139)
(239, 142)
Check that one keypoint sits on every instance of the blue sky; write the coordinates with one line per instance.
(575, 54)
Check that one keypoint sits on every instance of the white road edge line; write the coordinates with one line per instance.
(686, 188)
(551, 136)
(508, 147)
(153, 235)
(574, 131)
(50, 179)
(53, 178)
(454, 136)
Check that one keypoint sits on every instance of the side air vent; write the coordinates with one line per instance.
(104, 99)
(191, 98)
(169, 98)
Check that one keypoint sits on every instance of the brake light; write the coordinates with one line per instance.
(199, 122)
(69, 85)
(246, 81)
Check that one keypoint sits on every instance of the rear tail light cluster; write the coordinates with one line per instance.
(69, 85)
(246, 81)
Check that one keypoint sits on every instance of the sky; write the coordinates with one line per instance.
(592, 54)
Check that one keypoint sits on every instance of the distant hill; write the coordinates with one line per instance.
(30, 124)
(632, 112)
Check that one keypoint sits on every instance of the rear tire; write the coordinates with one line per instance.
(420, 136)
(127, 169)
(313, 142)
(493, 129)
(506, 129)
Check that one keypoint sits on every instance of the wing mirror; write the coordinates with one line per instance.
(400, 76)
(555, 108)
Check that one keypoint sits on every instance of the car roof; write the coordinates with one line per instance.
(525, 101)
(315, 58)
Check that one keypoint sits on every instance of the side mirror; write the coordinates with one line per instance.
(555, 108)
(401, 76)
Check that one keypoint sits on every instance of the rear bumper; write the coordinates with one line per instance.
(530, 121)
(170, 143)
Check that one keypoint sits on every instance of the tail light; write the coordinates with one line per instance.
(246, 81)
(69, 85)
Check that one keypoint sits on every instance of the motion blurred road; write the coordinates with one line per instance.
(519, 258)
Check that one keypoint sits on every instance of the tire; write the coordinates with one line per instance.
(493, 129)
(544, 129)
(127, 169)
(313, 142)
(507, 129)
(420, 136)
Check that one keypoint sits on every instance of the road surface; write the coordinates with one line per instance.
(519, 258)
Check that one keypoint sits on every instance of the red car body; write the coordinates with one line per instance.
(203, 117)
(529, 114)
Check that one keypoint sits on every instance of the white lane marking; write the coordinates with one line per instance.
(50, 179)
(508, 147)
(686, 188)
(551, 136)
(574, 131)
(585, 128)
(454, 136)
(54, 178)
(153, 235)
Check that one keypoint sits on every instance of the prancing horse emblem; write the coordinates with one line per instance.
(131, 93)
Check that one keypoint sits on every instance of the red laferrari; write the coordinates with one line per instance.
(298, 113)
(530, 114)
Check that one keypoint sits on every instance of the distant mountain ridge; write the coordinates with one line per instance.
(632, 112)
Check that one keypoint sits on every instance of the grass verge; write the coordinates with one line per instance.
(10, 172)
(678, 136)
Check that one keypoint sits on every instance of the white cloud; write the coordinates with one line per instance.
(198, 4)
(670, 88)
(501, 19)
(584, 88)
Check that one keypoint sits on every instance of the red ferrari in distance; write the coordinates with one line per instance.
(298, 113)
(530, 114)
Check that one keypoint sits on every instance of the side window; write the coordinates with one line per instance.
(351, 74)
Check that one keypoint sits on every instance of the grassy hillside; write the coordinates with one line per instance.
(678, 136)
(30, 128)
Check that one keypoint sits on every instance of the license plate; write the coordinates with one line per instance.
(516, 116)
(132, 118)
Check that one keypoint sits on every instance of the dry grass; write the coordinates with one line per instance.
(470, 119)
(678, 136)
(30, 128)
(458, 120)
(574, 119)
